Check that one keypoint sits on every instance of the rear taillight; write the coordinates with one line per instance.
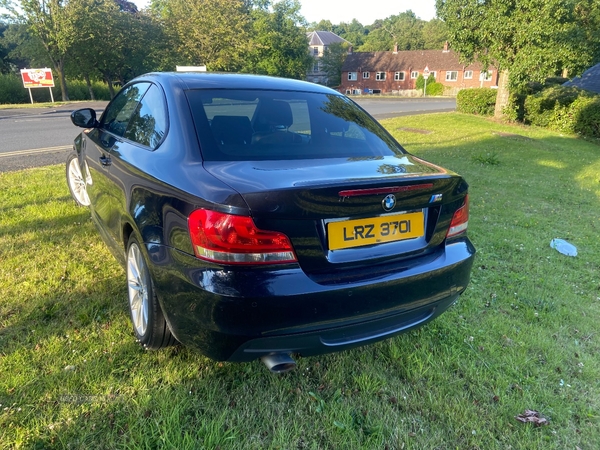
(230, 239)
(460, 220)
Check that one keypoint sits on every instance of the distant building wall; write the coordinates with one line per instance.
(388, 72)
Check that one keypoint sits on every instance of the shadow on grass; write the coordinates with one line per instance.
(44, 226)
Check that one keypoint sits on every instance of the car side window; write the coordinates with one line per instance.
(148, 124)
(120, 110)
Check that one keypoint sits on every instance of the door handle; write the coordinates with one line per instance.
(105, 160)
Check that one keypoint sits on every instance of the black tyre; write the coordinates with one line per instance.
(149, 324)
(77, 181)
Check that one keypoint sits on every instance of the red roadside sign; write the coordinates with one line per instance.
(37, 78)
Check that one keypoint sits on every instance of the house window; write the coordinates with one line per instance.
(366, 75)
(433, 74)
(485, 76)
(316, 66)
(316, 51)
(352, 76)
(399, 76)
(380, 76)
(468, 74)
(451, 75)
(414, 74)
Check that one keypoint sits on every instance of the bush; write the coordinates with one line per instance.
(479, 101)
(555, 81)
(78, 90)
(435, 88)
(582, 116)
(540, 107)
(101, 91)
(515, 111)
(11, 89)
(420, 82)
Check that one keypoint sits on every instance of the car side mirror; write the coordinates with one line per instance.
(84, 118)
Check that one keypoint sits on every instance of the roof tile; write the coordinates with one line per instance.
(589, 80)
(435, 60)
(323, 38)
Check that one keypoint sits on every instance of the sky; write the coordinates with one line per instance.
(366, 12)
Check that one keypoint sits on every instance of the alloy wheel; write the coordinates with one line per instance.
(137, 287)
(77, 183)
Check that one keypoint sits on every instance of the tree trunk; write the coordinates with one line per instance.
(89, 86)
(60, 68)
(111, 88)
(503, 97)
(59, 65)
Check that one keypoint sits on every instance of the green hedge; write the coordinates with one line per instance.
(435, 88)
(582, 116)
(78, 90)
(564, 109)
(539, 108)
(13, 92)
(479, 101)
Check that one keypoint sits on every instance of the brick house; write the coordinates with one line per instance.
(392, 72)
(318, 41)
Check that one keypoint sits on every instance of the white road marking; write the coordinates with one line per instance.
(35, 151)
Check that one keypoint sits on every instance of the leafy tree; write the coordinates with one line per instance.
(5, 65)
(279, 45)
(587, 13)
(51, 22)
(528, 40)
(23, 48)
(404, 30)
(332, 61)
(81, 55)
(132, 38)
(323, 25)
(354, 32)
(435, 34)
(420, 82)
(215, 33)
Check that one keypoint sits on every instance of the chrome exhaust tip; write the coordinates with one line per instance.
(279, 362)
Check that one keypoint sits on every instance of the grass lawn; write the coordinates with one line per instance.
(33, 105)
(524, 335)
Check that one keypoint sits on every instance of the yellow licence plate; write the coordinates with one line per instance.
(356, 233)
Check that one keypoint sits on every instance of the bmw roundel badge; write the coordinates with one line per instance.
(389, 202)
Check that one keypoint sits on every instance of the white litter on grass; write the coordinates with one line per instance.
(563, 247)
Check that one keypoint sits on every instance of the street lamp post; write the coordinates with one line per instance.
(425, 75)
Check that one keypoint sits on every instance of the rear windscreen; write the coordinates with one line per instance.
(242, 125)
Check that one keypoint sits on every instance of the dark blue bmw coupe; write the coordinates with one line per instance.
(260, 217)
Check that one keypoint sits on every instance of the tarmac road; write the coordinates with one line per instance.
(35, 137)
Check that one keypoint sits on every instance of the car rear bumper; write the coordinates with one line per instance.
(241, 315)
(341, 337)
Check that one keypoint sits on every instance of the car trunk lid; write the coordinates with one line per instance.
(344, 213)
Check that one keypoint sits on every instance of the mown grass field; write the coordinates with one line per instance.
(524, 336)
